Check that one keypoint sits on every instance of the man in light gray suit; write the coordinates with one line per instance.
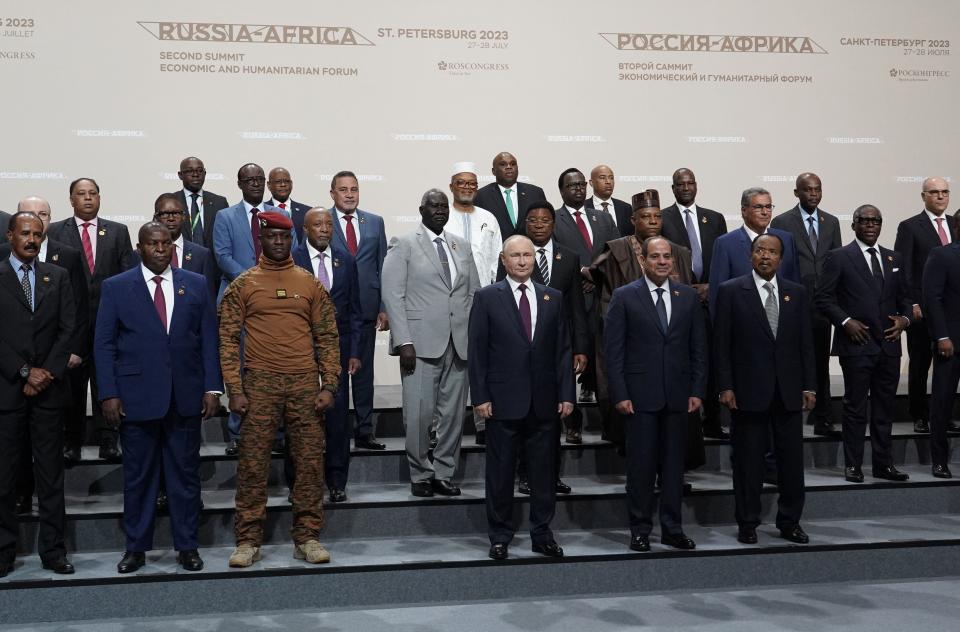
(428, 283)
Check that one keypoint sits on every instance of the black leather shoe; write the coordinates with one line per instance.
(586, 395)
(716, 433)
(368, 442)
(190, 560)
(338, 495)
(678, 541)
(825, 429)
(562, 488)
(71, 455)
(687, 487)
(890, 473)
(163, 503)
(795, 534)
(523, 487)
(953, 426)
(131, 561)
(747, 535)
(853, 474)
(5, 568)
(444, 488)
(640, 544)
(277, 447)
(59, 565)
(574, 436)
(942, 471)
(233, 448)
(481, 437)
(497, 551)
(422, 489)
(109, 450)
(921, 426)
(24, 505)
(433, 439)
(550, 549)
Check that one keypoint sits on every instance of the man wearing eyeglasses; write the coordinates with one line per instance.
(236, 245)
(201, 205)
(916, 237)
(731, 252)
(861, 291)
(191, 256)
(281, 186)
(474, 224)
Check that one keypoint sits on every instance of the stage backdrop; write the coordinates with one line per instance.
(861, 92)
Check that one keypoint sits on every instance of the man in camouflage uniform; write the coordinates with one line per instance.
(291, 337)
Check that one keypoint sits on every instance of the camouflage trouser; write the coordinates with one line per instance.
(275, 398)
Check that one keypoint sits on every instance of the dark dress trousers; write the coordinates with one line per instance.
(916, 237)
(345, 291)
(623, 212)
(768, 374)
(811, 270)
(490, 198)
(113, 255)
(525, 381)
(212, 204)
(160, 378)
(848, 289)
(941, 304)
(658, 370)
(40, 337)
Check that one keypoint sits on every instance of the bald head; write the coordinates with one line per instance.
(318, 227)
(38, 206)
(601, 181)
(935, 195)
(505, 169)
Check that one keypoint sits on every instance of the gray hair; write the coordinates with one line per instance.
(748, 195)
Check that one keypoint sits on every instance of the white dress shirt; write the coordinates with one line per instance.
(446, 247)
(584, 217)
(42, 255)
(178, 248)
(945, 223)
(611, 209)
(805, 216)
(696, 225)
(188, 196)
(93, 234)
(762, 291)
(341, 217)
(752, 235)
(166, 286)
(514, 194)
(315, 262)
(531, 293)
(547, 252)
(667, 302)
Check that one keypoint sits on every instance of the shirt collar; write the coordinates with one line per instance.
(582, 209)
(93, 222)
(760, 281)
(692, 208)
(148, 275)
(548, 247)
(934, 218)
(653, 286)
(432, 234)
(806, 215)
(187, 193)
(513, 189)
(514, 285)
(178, 242)
(863, 246)
(752, 235)
(314, 253)
(16, 263)
(250, 207)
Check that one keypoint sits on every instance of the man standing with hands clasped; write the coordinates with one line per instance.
(521, 381)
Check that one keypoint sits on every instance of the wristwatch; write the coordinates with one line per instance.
(327, 387)
(25, 371)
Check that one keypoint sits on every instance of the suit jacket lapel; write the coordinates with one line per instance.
(100, 238)
(646, 299)
(755, 304)
(542, 306)
(141, 290)
(510, 306)
(179, 296)
(10, 280)
(860, 263)
(42, 284)
(430, 249)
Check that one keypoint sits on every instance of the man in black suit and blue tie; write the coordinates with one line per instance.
(763, 351)
(521, 381)
(862, 292)
(280, 184)
(655, 349)
(336, 269)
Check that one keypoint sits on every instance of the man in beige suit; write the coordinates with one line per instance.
(428, 283)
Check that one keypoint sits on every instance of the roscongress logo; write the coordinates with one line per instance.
(470, 67)
(679, 42)
(256, 33)
(918, 74)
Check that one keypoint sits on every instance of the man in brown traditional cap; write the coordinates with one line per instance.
(290, 339)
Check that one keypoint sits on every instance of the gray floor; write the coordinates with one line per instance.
(904, 605)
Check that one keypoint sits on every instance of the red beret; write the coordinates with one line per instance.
(274, 219)
(646, 199)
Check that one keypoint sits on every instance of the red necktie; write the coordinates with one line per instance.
(175, 260)
(283, 205)
(525, 318)
(944, 240)
(255, 232)
(87, 245)
(351, 235)
(160, 302)
(583, 230)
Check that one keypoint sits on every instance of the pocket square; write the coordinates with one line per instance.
(896, 270)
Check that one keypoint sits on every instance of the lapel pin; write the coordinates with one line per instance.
(594, 218)
(102, 232)
(188, 256)
(336, 263)
(786, 299)
(889, 257)
(676, 293)
(546, 297)
(46, 279)
(55, 257)
(181, 291)
(362, 221)
(453, 245)
(559, 256)
(704, 220)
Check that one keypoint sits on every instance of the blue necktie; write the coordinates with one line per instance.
(661, 309)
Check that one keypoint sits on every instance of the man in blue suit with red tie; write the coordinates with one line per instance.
(655, 349)
(336, 269)
(521, 381)
(156, 352)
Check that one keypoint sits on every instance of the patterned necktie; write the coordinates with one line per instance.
(444, 262)
(351, 235)
(160, 302)
(583, 230)
(771, 308)
(466, 225)
(542, 264)
(525, 318)
(255, 232)
(87, 245)
(174, 259)
(695, 250)
(25, 282)
(606, 207)
(322, 270)
(512, 213)
(195, 219)
(944, 240)
(662, 309)
(812, 233)
(875, 266)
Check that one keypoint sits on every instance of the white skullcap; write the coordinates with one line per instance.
(464, 167)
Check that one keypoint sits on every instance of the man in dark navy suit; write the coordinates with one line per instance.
(862, 293)
(201, 206)
(169, 211)
(521, 381)
(655, 350)
(763, 350)
(506, 198)
(336, 269)
(916, 237)
(602, 182)
(280, 184)
(156, 351)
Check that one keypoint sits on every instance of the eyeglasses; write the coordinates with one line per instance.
(253, 180)
(539, 222)
(576, 185)
(760, 207)
(193, 172)
(281, 182)
(164, 214)
(938, 192)
(463, 184)
(870, 221)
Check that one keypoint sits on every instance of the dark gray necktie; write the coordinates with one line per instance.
(771, 308)
(444, 262)
(662, 309)
(812, 233)
(195, 220)
(695, 251)
(875, 266)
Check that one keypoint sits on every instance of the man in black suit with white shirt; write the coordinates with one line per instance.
(201, 205)
(280, 184)
(506, 198)
(602, 182)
